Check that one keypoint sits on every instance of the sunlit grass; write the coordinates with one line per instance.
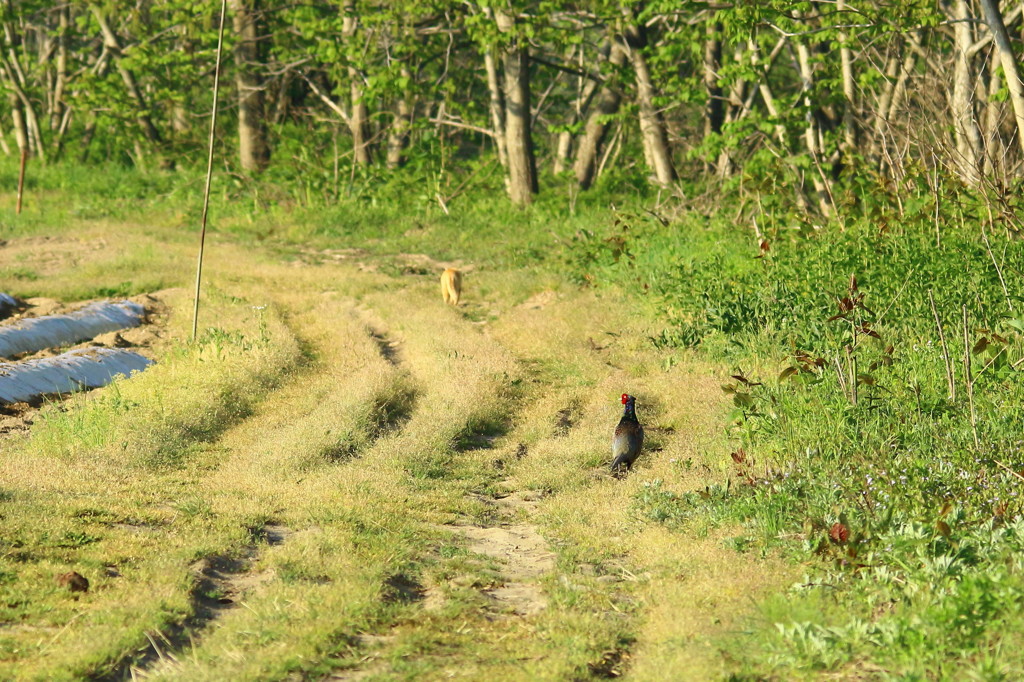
(286, 412)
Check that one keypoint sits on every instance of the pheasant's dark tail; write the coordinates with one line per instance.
(619, 463)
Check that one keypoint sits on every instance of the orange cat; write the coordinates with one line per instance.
(451, 286)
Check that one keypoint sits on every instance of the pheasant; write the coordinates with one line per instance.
(628, 438)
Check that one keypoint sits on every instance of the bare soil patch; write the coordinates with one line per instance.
(524, 558)
(16, 419)
(518, 547)
(48, 255)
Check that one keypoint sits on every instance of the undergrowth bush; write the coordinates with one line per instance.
(851, 450)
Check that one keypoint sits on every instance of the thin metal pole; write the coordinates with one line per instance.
(209, 167)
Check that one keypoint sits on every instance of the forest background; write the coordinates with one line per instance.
(824, 197)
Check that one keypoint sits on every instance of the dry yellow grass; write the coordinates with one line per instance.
(355, 419)
(694, 592)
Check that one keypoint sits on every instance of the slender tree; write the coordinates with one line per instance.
(606, 105)
(113, 46)
(652, 127)
(359, 118)
(253, 147)
(714, 109)
(522, 165)
(401, 124)
(968, 151)
(1011, 72)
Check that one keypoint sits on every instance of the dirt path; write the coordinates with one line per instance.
(428, 498)
(517, 546)
(514, 591)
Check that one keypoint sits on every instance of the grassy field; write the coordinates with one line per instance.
(338, 478)
(342, 478)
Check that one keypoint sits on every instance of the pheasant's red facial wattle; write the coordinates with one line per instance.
(625, 398)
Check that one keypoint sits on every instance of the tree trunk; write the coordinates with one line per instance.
(898, 69)
(607, 104)
(812, 134)
(714, 110)
(99, 67)
(740, 99)
(398, 133)
(849, 106)
(563, 151)
(358, 121)
(23, 113)
(253, 148)
(86, 140)
(965, 125)
(769, 100)
(1013, 82)
(993, 110)
(179, 113)
(586, 91)
(652, 128)
(26, 123)
(497, 107)
(780, 131)
(881, 121)
(563, 143)
(61, 67)
(899, 93)
(522, 166)
(282, 102)
(18, 121)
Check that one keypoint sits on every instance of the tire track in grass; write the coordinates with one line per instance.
(219, 582)
(389, 348)
(159, 585)
(522, 553)
(351, 399)
(509, 566)
(376, 405)
(449, 445)
(360, 400)
(103, 459)
(607, 579)
(516, 543)
(686, 596)
(512, 594)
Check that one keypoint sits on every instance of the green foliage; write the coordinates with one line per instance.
(850, 451)
(708, 288)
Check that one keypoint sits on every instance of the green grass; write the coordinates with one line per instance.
(382, 213)
(898, 506)
(901, 503)
(284, 412)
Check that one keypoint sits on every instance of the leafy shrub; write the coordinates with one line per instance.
(851, 450)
